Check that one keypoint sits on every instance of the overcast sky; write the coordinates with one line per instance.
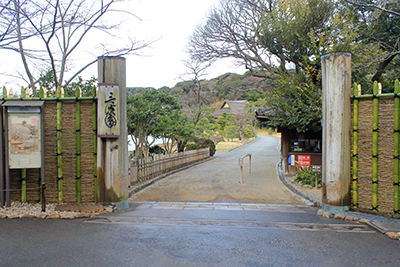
(170, 22)
(173, 21)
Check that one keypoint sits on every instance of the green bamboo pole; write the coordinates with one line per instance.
(41, 95)
(375, 154)
(22, 92)
(78, 147)
(23, 171)
(94, 112)
(41, 92)
(40, 186)
(355, 146)
(23, 185)
(59, 148)
(396, 143)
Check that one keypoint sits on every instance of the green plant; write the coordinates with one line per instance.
(156, 149)
(307, 176)
(192, 147)
(204, 142)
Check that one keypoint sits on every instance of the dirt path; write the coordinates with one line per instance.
(218, 179)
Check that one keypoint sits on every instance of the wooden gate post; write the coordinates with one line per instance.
(336, 128)
(112, 148)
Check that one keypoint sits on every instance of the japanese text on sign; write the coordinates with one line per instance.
(108, 112)
(304, 161)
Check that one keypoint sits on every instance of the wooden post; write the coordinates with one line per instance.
(336, 122)
(112, 153)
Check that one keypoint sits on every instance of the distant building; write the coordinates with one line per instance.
(297, 149)
(235, 108)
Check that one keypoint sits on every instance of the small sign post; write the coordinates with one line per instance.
(317, 169)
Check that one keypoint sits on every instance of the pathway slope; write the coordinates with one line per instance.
(217, 181)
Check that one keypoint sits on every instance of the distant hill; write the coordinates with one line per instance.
(229, 86)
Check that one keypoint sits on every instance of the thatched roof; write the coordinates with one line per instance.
(232, 108)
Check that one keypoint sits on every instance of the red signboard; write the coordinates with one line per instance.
(304, 161)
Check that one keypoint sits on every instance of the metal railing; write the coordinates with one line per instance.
(241, 165)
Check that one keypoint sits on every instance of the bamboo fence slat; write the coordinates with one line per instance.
(78, 147)
(376, 178)
(355, 146)
(63, 147)
(375, 144)
(59, 148)
(396, 143)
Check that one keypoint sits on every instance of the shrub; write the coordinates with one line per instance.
(248, 132)
(192, 147)
(203, 143)
(156, 150)
(307, 176)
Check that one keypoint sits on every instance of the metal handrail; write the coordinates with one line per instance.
(241, 166)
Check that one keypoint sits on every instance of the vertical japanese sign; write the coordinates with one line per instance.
(108, 102)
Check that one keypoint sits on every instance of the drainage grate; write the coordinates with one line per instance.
(231, 224)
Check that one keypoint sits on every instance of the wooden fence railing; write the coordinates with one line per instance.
(146, 169)
(376, 150)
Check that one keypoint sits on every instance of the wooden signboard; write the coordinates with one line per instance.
(108, 111)
(317, 168)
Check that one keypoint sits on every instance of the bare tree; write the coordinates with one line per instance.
(195, 70)
(230, 32)
(380, 5)
(53, 30)
(386, 14)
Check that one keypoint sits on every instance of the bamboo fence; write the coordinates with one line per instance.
(149, 168)
(83, 190)
(376, 134)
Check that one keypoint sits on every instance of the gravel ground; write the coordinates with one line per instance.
(53, 211)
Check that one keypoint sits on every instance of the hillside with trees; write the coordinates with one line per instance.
(213, 92)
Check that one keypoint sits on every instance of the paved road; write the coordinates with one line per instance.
(242, 231)
(218, 179)
(196, 234)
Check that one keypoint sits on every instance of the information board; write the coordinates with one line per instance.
(24, 138)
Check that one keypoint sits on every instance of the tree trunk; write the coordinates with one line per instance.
(181, 145)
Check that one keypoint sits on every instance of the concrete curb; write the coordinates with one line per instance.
(145, 184)
(294, 189)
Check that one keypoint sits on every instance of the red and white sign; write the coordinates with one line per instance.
(304, 161)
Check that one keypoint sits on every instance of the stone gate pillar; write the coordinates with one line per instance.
(112, 145)
(336, 127)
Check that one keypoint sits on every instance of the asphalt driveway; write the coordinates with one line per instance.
(217, 181)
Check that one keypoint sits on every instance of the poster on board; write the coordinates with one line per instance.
(24, 140)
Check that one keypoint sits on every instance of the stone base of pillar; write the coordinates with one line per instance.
(334, 209)
(121, 205)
